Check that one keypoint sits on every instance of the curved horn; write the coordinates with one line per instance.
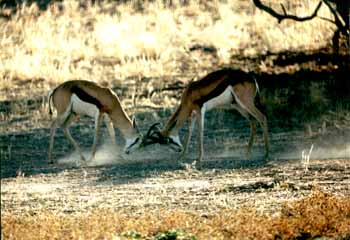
(158, 137)
(152, 136)
(155, 125)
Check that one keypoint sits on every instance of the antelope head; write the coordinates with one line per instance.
(135, 142)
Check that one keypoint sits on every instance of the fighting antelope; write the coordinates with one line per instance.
(80, 97)
(223, 87)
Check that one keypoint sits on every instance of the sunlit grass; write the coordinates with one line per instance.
(319, 215)
(110, 42)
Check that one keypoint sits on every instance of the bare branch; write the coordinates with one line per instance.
(328, 20)
(338, 20)
(284, 9)
(285, 15)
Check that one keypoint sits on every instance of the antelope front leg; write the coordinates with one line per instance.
(188, 138)
(110, 129)
(70, 138)
(200, 122)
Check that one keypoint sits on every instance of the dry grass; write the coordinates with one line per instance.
(119, 44)
(319, 215)
(113, 41)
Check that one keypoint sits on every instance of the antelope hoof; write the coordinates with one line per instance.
(197, 164)
(187, 166)
(184, 165)
(81, 163)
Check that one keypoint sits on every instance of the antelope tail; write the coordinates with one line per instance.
(257, 100)
(50, 97)
(256, 84)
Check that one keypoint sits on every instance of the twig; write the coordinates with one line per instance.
(305, 158)
(285, 15)
(339, 21)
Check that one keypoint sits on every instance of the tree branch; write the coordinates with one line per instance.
(281, 17)
(328, 20)
(338, 20)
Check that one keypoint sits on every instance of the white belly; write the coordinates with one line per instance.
(225, 98)
(83, 108)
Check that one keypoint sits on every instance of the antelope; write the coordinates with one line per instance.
(227, 86)
(80, 97)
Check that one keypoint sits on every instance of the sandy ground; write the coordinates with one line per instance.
(153, 179)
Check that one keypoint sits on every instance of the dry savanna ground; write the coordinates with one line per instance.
(279, 200)
(140, 48)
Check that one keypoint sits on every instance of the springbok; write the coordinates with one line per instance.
(223, 87)
(80, 97)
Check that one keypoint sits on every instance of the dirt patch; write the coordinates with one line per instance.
(302, 115)
(210, 204)
(153, 177)
(264, 187)
(151, 185)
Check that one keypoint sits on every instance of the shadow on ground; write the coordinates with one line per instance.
(304, 107)
(225, 139)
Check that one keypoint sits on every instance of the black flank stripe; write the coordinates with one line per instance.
(84, 96)
(231, 78)
(216, 92)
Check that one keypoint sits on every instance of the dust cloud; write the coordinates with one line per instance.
(109, 154)
(319, 151)
(331, 153)
(106, 154)
(291, 146)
